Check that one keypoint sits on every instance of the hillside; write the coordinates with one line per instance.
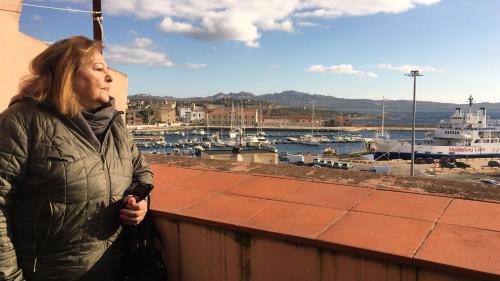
(300, 99)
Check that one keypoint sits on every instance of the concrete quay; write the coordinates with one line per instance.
(166, 128)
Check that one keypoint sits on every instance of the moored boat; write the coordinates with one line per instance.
(470, 134)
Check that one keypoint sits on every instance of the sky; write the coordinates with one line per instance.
(343, 48)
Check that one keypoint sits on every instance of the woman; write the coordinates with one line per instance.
(66, 161)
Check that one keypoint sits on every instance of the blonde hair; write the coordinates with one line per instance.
(52, 73)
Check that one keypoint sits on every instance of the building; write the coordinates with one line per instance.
(191, 114)
(227, 117)
(291, 121)
(133, 118)
(137, 105)
(249, 156)
(164, 112)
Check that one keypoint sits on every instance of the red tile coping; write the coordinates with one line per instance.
(421, 230)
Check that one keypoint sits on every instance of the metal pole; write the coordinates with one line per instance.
(96, 17)
(413, 128)
(414, 74)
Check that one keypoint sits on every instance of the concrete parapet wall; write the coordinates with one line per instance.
(194, 252)
(219, 225)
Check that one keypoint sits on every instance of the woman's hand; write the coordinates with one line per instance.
(133, 212)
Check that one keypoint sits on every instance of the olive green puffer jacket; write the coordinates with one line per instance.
(60, 196)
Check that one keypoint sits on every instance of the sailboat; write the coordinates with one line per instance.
(310, 139)
(382, 134)
(233, 131)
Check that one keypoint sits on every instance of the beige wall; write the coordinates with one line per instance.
(18, 49)
(265, 158)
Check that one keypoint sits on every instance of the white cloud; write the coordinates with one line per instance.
(339, 8)
(307, 24)
(196, 65)
(223, 27)
(407, 68)
(37, 18)
(340, 69)
(134, 32)
(244, 21)
(142, 42)
(139, 51)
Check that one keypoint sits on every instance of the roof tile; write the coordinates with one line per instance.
(406, 205)
(462, 247)
(473, 214)
(225, 208)
(173, 199)
(215, 181)
(329, 195)
(294, 219)
(390, 235)
(168, 175)
(267, 187)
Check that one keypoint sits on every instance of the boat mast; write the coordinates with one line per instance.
(232, 117)
(471, 100)
(312, 123)
(383, 117)
(260, 119)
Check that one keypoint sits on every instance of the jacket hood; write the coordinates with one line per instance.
(19, 98)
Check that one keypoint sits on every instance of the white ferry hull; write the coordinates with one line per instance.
(401, 149)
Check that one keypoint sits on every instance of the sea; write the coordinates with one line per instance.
(275, 135)
(429, 119)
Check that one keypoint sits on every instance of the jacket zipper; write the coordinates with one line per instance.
(105, 163)
(44, 241)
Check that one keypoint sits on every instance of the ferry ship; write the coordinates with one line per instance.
(468, 134)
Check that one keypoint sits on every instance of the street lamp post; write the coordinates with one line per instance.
(414, 74)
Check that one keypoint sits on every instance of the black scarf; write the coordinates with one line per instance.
(95, 121)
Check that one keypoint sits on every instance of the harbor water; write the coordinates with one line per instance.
(174, 139)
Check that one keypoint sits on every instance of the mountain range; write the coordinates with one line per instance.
(299, 99)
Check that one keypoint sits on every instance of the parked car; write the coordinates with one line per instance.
(296, 158)
(346, 166)
(462, 165)
(448, 165)
(489, 181)
(283, 153)
(493, 163)
(443, 160)
(322, 162)
(337, 165)
(419, 161)
(316, 160)
(329, 163)
(429, 160)
(380, 169)
(283, 158)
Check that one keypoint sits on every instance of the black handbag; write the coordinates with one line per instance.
(141, 260)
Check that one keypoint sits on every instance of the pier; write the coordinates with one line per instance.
(166, 128)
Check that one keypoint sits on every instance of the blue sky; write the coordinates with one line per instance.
(347, 49)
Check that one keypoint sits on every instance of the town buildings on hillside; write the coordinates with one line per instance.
(142, 112)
